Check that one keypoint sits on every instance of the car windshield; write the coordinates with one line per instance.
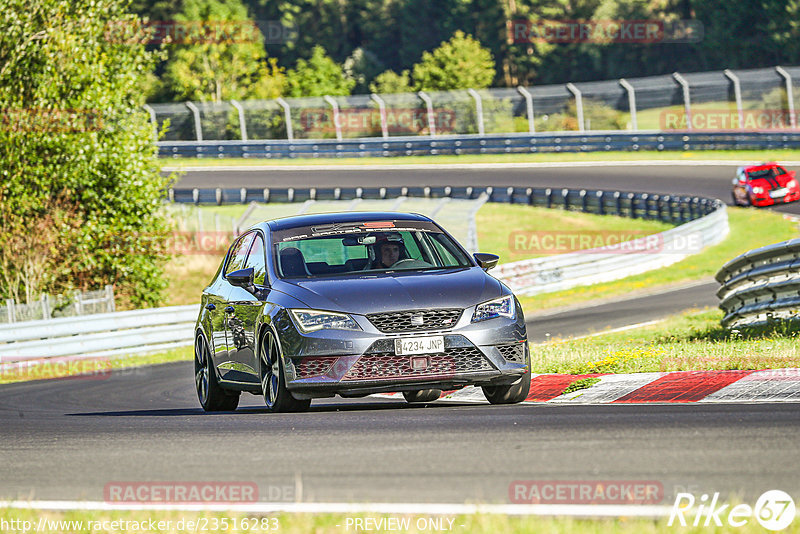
(762, 173)
(371, 247)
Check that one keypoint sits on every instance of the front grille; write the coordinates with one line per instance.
(512, 352)
(415, 320)
(308, 367)
(388, 365)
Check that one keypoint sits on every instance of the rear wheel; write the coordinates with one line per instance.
(512, 393)
(422, 395)
(212, 397)
(273, 382)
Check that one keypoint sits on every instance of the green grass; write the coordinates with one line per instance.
(91, 369)
(512, 231)
(337, 523)
(690, 341)
(583, 383)
(721, 155)
(750, 228)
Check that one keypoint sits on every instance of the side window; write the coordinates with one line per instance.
(256, 260)
(445, 254)
(780, 170)
(238, 254)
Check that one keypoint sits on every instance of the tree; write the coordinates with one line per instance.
(318, 76)
(390, 82)
(222, 55)
(79, 175)
(460, 63)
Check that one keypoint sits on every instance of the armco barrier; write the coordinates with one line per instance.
(100, 335)
(477, 144)
(761, 285)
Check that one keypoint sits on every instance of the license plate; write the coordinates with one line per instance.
(419, 345)
(778, 193)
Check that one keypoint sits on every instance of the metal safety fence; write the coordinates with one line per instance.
(50, 307)
(761, 286)
(746, 100)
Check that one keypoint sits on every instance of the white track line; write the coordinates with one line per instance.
(466, 166)
(566, 510)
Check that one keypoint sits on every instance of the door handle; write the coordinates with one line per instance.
(210, 307)
(229, 309)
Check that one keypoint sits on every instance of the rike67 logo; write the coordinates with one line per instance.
(774, 510)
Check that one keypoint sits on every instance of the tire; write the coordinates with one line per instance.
(422, 395)
(512, 393)
(273, 381)
(212, 397)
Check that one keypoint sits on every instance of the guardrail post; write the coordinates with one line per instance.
(789, 95)
(431, 118)
(578, 104)
(529, 107)
(287, 118)
(382, 111)
(198, 128)
(601, 208)
(631, 102)
(110, 304)
(45, 300)
(337, 124)
(565, 198)
(242, 124)
(618, 202)
(737, 94)
(687, 102)
(478, 110)
(531, 194)
(78, 303)
(12, 316)
(153, 120)
(583, 200)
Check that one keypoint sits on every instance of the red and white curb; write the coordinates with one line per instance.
(771, 385)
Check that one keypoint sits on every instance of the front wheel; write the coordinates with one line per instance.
(273, 382)
(422, 395)
(212, 397)
(512, 393)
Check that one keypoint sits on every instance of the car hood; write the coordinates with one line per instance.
(399, 291)
(773, 183)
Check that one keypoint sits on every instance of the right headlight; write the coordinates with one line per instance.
(502, 307)
(312, 320)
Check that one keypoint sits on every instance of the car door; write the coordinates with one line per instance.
(236, 260)
(244, 310)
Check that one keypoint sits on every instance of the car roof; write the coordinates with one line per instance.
(345, 217)
(759, 166)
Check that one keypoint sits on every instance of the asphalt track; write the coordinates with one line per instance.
(68, 439)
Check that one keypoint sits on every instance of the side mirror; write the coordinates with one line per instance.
(241, 278)
(486, 261)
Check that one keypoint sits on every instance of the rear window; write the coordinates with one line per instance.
(368, 247)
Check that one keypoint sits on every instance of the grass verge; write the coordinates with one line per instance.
(90, 368)
(721, 155)
(690, 341)
(179, 522)
(749, 229)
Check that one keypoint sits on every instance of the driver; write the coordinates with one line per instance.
(387, 250)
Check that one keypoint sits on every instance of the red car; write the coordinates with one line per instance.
(764, 185)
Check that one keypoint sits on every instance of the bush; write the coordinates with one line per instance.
(80, 196)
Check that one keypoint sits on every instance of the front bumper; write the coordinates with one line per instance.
(349, 363)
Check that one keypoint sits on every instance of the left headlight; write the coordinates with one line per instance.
(791, 184)
(312, 320)
(502, 307)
